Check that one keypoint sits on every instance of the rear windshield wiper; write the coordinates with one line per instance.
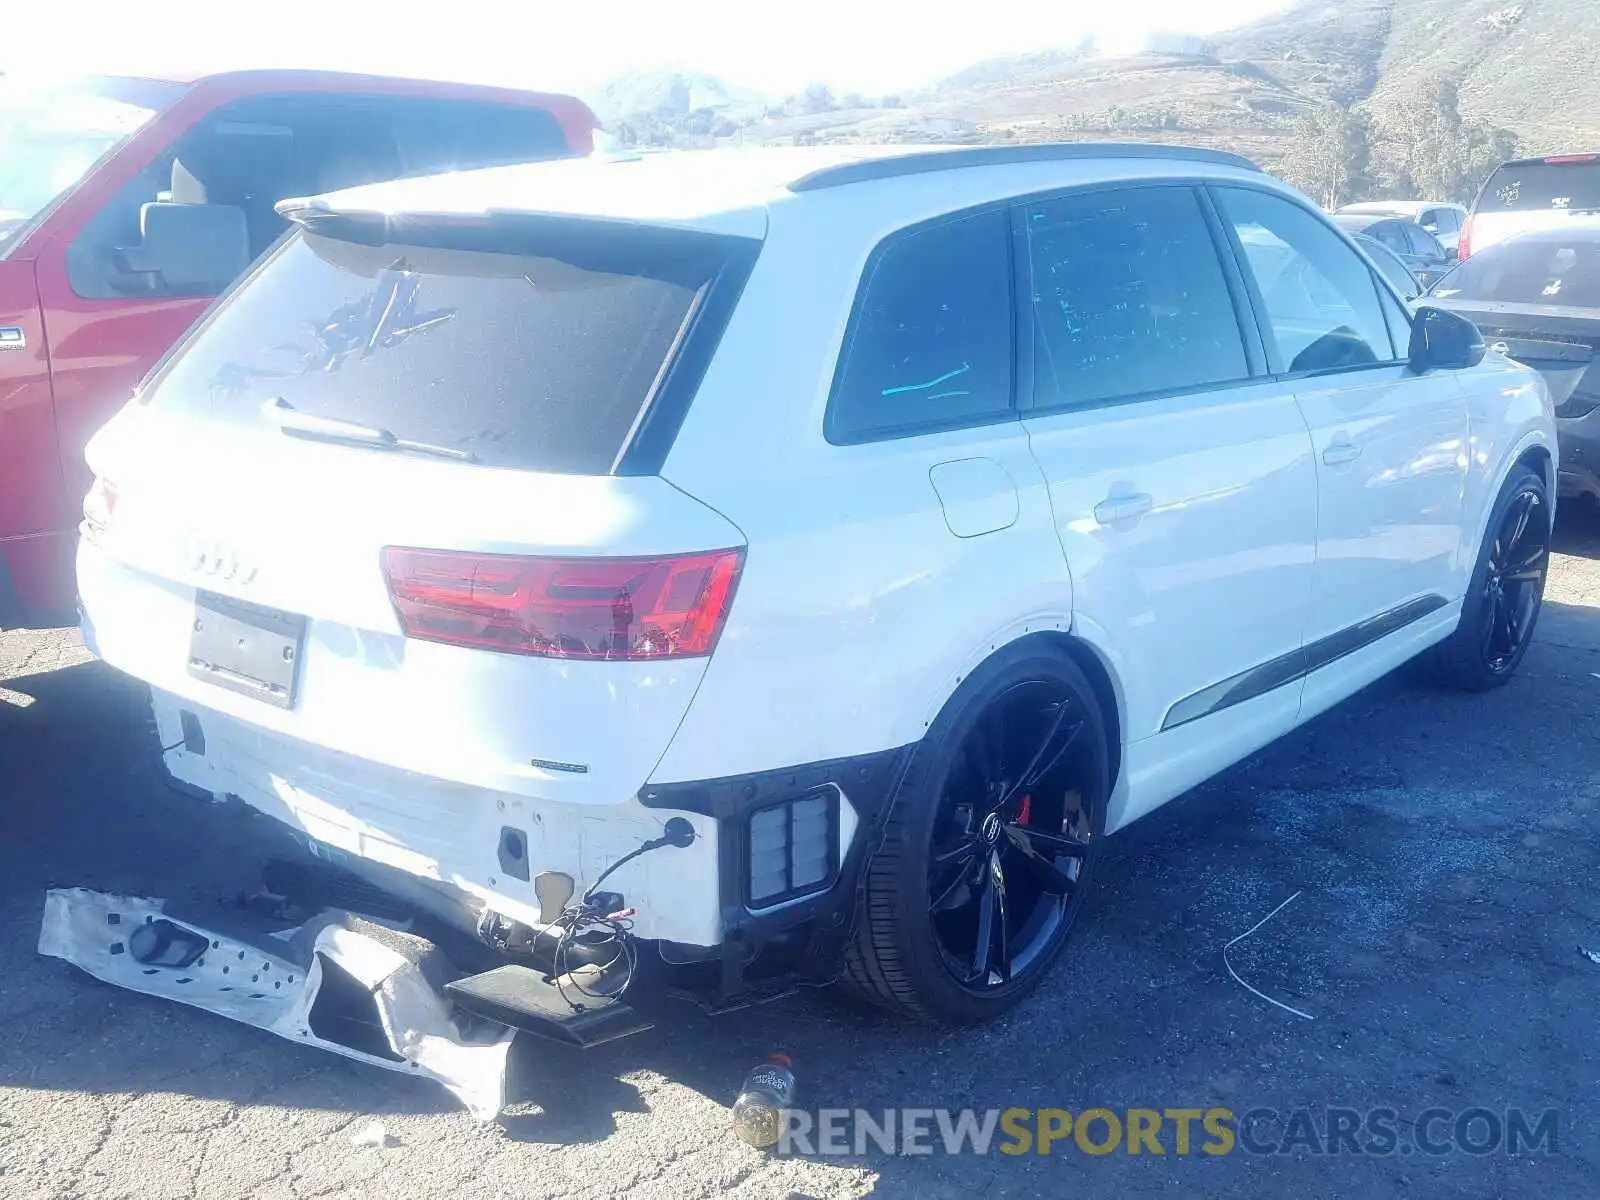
(330, 429)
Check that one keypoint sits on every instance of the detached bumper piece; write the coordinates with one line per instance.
(348, 985)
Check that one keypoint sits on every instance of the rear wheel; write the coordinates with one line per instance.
(1507, 590)
(989, 844)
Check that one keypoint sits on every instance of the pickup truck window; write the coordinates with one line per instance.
(248, 155)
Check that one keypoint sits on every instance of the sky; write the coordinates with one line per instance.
(873, 46)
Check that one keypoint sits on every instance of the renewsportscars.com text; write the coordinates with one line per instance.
(1180, 1131)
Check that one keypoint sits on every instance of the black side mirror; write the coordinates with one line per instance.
(1444, 341)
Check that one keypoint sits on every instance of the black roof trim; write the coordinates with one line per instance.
(994, 156)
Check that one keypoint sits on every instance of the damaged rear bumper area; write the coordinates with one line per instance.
(345, 984)
(349, 984)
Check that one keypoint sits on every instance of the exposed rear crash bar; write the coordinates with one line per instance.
(340, 982)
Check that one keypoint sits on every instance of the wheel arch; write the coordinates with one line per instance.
(1538, 457)
(1089, 658)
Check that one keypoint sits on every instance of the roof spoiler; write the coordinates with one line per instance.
(993, 156)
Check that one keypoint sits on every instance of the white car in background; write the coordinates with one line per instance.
(867, 533)
(1532, 193)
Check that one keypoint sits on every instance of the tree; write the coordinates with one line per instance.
(1330, 156)
(1427, 150)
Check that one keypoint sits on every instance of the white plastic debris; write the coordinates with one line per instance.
(1592, 955)
(373, 1134)
(270, 990)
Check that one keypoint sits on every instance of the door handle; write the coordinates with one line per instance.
(1122, 508)
(1340, 453)
(12, 338)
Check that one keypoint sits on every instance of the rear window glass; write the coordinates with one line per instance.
(540, 359)
(1541, 269)
(1529, 187)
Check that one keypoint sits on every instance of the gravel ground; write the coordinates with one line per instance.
(1443, 847)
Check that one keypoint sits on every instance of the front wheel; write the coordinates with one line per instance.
(1507, 590)
(989, 844)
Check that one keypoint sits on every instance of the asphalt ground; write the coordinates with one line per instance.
(1444, 852)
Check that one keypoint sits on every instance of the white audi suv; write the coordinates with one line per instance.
(829, 547)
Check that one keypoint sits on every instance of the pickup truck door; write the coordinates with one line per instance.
(31, 499)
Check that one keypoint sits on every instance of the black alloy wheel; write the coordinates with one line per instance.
(988, 849)
(1502, 604)
(1010, 838)
(1513, 585)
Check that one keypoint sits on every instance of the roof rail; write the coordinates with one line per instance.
(893, 166)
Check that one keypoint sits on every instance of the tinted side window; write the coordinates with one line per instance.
(1128, 297)
(930, 342)
(1421, 242)
(1319, 299)
(1393, 235)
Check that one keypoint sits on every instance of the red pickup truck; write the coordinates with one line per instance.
(126, 204)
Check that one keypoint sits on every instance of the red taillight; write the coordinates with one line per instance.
(672, 606)
(1464, 246)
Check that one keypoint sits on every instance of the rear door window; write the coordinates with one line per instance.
(1318, 297)
(534, 345)
(1541, 186)
(1393, 235)
(930, 343)
(1128, 297)
(1421, 242)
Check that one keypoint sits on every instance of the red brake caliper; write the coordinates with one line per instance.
(1027, 807)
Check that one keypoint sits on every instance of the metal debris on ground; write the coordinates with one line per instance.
(1254, 991)
(339, 981)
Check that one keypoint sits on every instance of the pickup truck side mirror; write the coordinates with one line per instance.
(1444, 341)
(189, 249)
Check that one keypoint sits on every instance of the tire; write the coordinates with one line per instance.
(1476, 658)
(900, 957)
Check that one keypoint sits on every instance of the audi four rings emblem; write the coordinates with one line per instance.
(209, 557)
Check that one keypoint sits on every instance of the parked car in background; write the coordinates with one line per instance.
(1080, 472)
(126, 204)
(1536, 298)
(1418, 249)
(1439, 219)
(1532, 193)
(1392, 267)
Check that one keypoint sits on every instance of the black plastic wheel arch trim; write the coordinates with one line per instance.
(826, 920)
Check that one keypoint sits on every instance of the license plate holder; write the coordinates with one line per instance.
(246, 648)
